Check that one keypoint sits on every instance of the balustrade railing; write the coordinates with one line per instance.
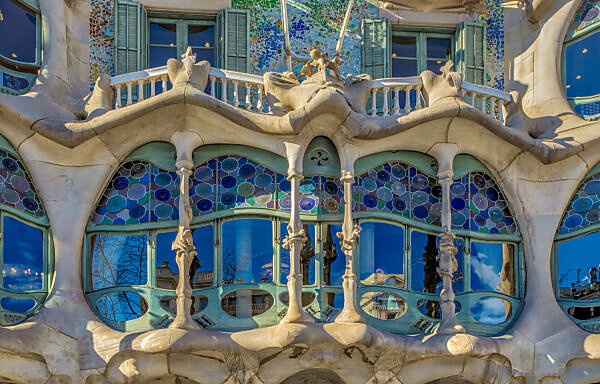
(389, 96)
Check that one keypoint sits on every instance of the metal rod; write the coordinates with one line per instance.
(286, 35)
(338, 47)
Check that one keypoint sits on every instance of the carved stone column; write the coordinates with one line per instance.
(185, 250)
(348, 241)
(294, 241)
(447, 261)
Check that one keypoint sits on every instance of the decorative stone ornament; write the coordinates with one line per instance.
(102, 98)
(437, 5)
(188, 71)
(437, 87)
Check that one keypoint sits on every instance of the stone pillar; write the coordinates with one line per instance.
(445, 153)
(348, 240)
(294, 241)
(185, 250)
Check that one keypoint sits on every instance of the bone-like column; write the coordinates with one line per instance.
(348, 241)
(294, 241)
(445, 153)
(185, 250)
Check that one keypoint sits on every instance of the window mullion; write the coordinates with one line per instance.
(2, 250)
(467, 265)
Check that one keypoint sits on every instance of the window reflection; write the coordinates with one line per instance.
(382, 254)
(307, 256)
(578, 268)
(18, 40)
(118, 260)
(245, 303)
(383, 305)
(334, 260)
(492, 267)
(23, 256)
(580, 66)
(121, 306)
(247, 251)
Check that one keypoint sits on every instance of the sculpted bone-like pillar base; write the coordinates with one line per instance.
(185, 249)
(349, 240)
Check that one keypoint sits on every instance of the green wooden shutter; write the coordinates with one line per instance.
(376, 50)
(470, 52)
(234, 40)
(130, 37)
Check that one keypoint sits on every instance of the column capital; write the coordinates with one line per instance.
(294, 173)
(347, 176)
(184, 165)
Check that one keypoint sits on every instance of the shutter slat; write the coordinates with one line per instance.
(130, 24)
(375, 44)
(470, 52)
(233, 49)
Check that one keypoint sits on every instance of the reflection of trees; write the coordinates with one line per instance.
(232, 268)
(118, 260)
(307, 253)
(329, 256)
(431, 277)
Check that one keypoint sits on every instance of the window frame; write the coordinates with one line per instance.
(421, 34)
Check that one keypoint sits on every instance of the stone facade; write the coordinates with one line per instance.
(535, 147)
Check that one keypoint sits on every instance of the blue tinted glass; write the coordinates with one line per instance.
(163, 34)
(435, 65)
(167, 271)
(424, 276)
(205, 55)
(247, 251)
(581, 59)
(334, 260)
(17, 83)
(17, 32)
(404, 68)
(202, 267)
(15, 304)
(121, 306)
(578, 268)
(158, 57)
(382, 254)
(23, 255)
(491, 310)
(118, 260)
(307, 256)
(404, 46)
(492, 267)
(201, 36)
(438, 48)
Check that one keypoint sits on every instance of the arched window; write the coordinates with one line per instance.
(581, 50)
(20, 45)
(398, 206)
(575, 272)
(25, 247)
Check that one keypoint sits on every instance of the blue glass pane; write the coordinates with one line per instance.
(404, 68)
(203, 265)
(23, 256)
(121, 306)
(439, 48)
(493, 267)
(158, 57)
(404, 46)
(167, 271)
(118, 260)
(17, 83)
(382, 254)
(17, 32)
(424, 276)
(15, 304)
(202, 36)
(578, 268)
(334, 260)
(491, 310)
(247, 251)
(307, 256)
(580, 66)
(163, 34)
(205, 54)
(435, 65)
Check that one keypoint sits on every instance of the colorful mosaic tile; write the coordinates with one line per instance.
(16, 189)
(493, 18)
(587, 14)
(425, 197)
(138, 193)
(459, 203)
(584, 209)
(102, 34)
(203, 188)
(489, 211)
(309, 195)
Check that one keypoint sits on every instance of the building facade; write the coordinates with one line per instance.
(249, 192)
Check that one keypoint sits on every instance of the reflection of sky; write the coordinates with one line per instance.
(489, 310)
(119, 260)
(583, 65)
(23, 255)
(381, 249)
(418, 242)
(17, 304)
(121, 306)
(486, 264)
(338, 266)
(248, 250)
(577, 254)
(203, 241)
(285, 255)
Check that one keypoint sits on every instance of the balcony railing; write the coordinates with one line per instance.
(389, 96)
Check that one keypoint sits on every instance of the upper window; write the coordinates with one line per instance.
(413, 52)
(25, 248)
(581, 51)
(20, 45)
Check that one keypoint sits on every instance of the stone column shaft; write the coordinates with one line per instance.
(348, 241)
(294, 241)
(185, 250)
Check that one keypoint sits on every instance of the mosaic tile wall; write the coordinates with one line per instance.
(312, 23)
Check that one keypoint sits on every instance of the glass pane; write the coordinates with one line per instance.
(334, 260)
(18, 31)
(382, 254)
(205, 54)
(491, 310)
(118, 260)
(158, 58)
(424, 276)
(435, 65)
(201, 36)
(581, 59)
(17, 304)
(23, 256)
(163, 34)
(404, 68)
(382, 305)
(439, 48)
(493, 267)
(167, 271)
(17, 83)
(245, 303)
(247, 251)
(169, 304)
(307, 256)
(404, 46)
(578, 269)
(121, 306)
(202, 266)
